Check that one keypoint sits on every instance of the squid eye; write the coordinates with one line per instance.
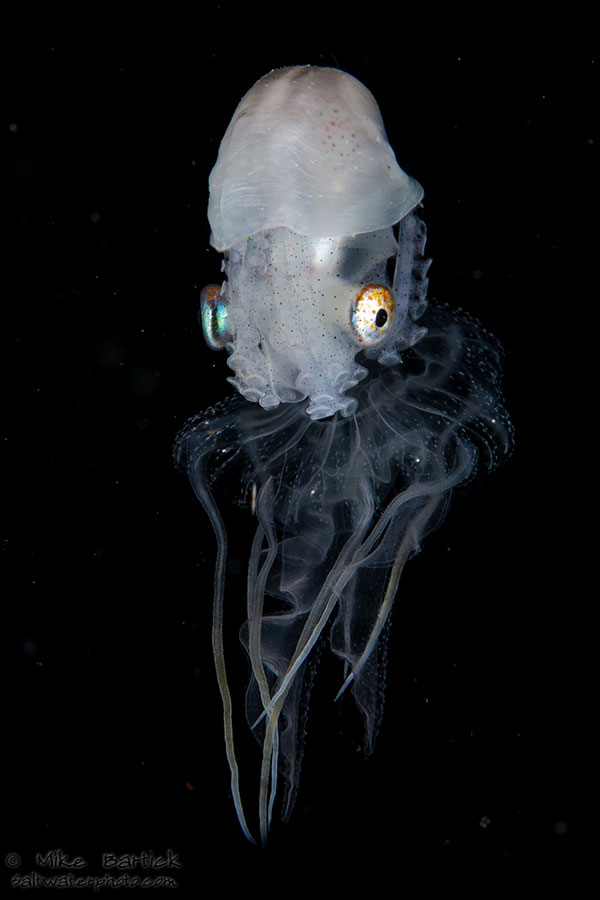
(372, 314)
(214, 315)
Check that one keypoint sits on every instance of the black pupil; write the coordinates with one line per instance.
(381, 318)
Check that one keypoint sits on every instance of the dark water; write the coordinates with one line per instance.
(111, 720)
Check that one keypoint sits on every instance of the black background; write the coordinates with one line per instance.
(111, 731)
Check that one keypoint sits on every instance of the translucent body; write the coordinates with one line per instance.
(290, 311)
(306, 148)
(346, 483)
(303, 198)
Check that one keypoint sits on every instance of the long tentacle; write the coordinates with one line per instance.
(256, 592)
(205, 498)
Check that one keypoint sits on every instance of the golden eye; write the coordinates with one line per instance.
(372, 314)
(214, 317)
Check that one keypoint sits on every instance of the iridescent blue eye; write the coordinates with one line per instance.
(214, 314)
